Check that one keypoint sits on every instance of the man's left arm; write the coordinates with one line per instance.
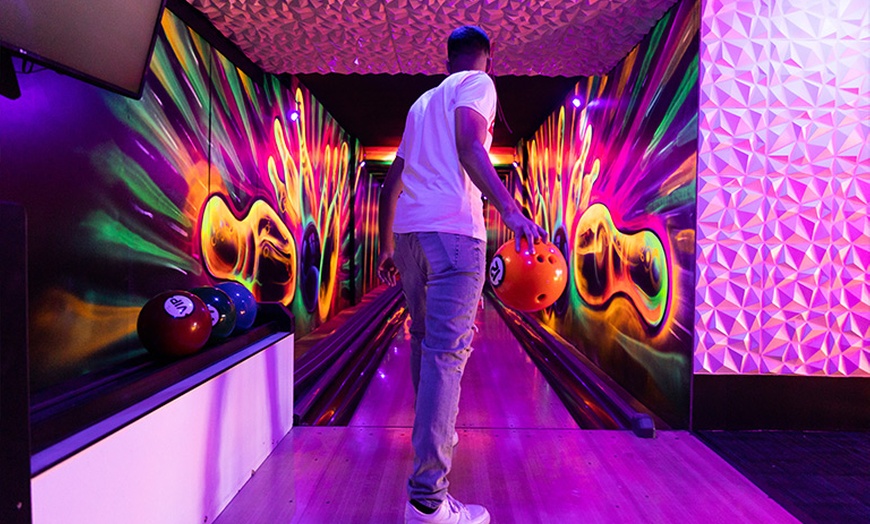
(387, 271)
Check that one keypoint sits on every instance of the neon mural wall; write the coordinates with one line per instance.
(611, 175)
(210, 176)
(367, 191)
(784, 189)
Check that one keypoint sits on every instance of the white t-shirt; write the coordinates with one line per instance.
(438, 195)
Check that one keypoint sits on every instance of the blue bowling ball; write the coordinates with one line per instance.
(222, 310)
(246, 304)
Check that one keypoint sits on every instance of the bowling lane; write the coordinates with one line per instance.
(520, 454)
(501, 387)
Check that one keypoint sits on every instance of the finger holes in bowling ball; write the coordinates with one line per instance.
(522, 281)
(174, 324)
(551, 259)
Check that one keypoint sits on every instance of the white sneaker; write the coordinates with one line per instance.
(451, 511)
(455, 439)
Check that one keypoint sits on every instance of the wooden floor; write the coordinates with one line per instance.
(520, 454)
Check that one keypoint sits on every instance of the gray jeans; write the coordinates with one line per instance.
(442, 276)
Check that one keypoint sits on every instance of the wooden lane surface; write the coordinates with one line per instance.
(501, 387)
(524, 476)
(520, 454)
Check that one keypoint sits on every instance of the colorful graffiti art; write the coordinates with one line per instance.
(611, 175)
(211, 176)
(367, 192)
(276, 218)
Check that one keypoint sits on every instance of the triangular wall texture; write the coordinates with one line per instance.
(784, 189)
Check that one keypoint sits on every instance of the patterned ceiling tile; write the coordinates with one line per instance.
(408, 36)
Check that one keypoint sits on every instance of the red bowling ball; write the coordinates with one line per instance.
(528, 281)
(174, 324)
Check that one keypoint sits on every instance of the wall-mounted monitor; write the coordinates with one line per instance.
(105, 42)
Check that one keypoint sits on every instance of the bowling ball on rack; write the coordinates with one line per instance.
(246, 304)
(174, 324)
(220, 307)
(528, 281)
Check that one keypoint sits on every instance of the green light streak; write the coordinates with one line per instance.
(162, 67)
(117, 167)
(689, 132)
(116, 241)
(679, 197)
(689, 81)
(188, 47)
(272, 89)
(250, 89)
(222, 93)
(235, 83)
(656, 36)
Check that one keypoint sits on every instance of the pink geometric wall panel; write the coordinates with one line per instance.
(783, 232)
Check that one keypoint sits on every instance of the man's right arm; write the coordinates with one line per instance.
(471, 128)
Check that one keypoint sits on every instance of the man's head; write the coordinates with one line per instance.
(468, 49)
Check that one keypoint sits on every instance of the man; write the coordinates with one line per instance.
(441, 168)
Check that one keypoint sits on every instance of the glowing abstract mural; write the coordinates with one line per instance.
(211, 176)
(611, 175)
(784, 189)
(367, 191)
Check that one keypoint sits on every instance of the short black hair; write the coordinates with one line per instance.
(467, 39)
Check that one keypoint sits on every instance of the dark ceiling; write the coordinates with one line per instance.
(372, 108)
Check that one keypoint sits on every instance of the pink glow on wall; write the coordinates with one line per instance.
(783, 232)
